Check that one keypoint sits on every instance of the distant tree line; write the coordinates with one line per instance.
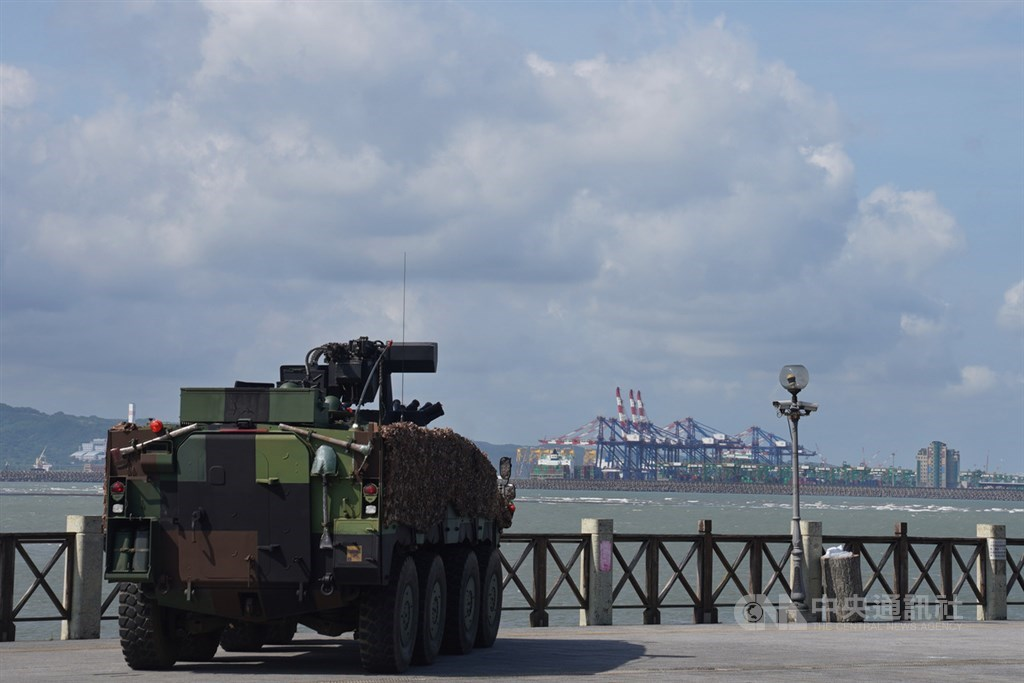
(25, 432)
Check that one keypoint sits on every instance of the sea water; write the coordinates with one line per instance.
(679, 513)
(43, 507)
(748, 514)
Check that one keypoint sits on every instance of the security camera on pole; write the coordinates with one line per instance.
(793, 379)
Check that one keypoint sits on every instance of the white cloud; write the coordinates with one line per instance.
(676, 218)
(919, 326)
(833, 160)
(17, 87)
(656, 167)
(274, 40)
(540, 66)
(1011, 313)
(907, 230)
(682, 171)
(974, 380)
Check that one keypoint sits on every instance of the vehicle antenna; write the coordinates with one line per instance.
(404, 262)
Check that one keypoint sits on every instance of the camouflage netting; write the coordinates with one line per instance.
(426, 469)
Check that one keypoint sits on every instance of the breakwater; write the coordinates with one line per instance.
(68, 476)
(55, 476)
(762, 489)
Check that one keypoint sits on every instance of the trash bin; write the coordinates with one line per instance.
(842, 587)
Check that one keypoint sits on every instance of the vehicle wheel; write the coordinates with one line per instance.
(280, 632)
(242, 636)
(388, 620)
(463, 608)
(433, 601)
(490, 596)
(199, 647)
(146, 639)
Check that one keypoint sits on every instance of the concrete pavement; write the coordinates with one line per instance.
(925, 651)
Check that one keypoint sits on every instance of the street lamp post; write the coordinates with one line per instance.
(793, 379)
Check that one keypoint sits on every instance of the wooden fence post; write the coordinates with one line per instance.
(539, 615)
(706, 612)
(7, 553)
(946, 572)
(901, 570)
(755, 584)
(652, 615)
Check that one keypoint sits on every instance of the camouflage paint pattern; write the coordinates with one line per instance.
(227, 521)
(235, 513)
(228, 406)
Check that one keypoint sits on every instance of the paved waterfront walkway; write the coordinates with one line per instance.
(987, 651)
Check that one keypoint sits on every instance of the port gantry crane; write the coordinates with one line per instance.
(636, 448)
(766, 448)
(633, 447)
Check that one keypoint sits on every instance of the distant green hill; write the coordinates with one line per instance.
(24, 432)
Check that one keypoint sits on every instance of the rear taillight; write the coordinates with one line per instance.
(117, 488)
(370, 491)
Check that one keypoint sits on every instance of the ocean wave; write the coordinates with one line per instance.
(50, 490)
(640, 503)
(553, 500)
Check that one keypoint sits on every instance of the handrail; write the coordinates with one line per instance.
(13, 546)
(710, 570)
(702, 572)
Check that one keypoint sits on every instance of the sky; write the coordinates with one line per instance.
(678, 198)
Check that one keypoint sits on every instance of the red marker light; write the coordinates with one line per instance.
(511, 507)
(157, 426)
(370, 490)
(117, 487)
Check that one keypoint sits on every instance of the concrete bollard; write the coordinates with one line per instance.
(810, 532)
(991, 572)
(810, 536)
(597, 582)
(86, 579)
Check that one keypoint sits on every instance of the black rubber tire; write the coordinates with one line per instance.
(242, 636)
(146, 639)
(280, 632)
(433, 602)
(491, 579)
(463, 609)
(389, 620)
(199, 647)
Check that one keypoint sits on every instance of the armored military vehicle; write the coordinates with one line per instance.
(318, 499)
